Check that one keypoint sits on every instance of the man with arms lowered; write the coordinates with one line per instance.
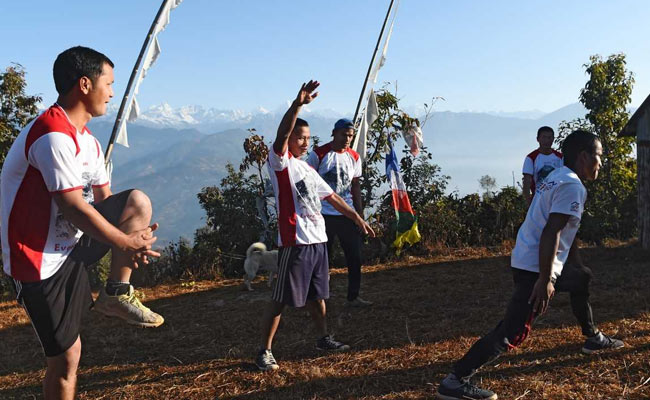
(59, 216)
(541, 162)
(340, 167)
(303, 271)
(544, 243)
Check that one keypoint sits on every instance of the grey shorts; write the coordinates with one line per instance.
(303, 274)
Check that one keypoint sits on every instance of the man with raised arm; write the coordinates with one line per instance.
(340, 167)
(303, 271)
(59, 217)
(545, 242)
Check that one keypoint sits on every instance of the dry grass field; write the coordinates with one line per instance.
(427, 312)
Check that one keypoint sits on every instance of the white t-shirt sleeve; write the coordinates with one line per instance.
(54, 155)
(528, 167)
(313, 160)
(323, 189)
(278, 162)
(100, 177)
(568, 199)
(357, 168)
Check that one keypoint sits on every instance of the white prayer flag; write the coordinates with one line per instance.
(152, 55)
(164, 18)
(382, 58)
(121, 135)
(153, 51)
(367, 119)
(413, 138)
(136, 90)
(134, 111)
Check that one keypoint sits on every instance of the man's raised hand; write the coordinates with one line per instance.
(307, 92)
(140, 243)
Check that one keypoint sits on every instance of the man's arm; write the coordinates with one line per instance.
(356, 196)
(90, 221)
(548, 245)
(576, 259)
(528, 183)
(101, 193)
(305, 96)
(341, 206)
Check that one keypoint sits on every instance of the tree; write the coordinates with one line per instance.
(488, 185)
(16, 108)
(257, 152)
(231, 226)
(611, 207)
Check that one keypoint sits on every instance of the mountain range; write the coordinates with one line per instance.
(174, 152)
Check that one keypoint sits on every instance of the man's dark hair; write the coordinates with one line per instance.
(578, 141)
(545, 129)
(75, 63)
(300, 123)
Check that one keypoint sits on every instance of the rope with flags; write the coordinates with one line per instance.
(407, 223)
(148, 55)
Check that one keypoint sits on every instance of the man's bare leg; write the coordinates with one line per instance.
(270, 322)
(61, 375)
(135, 216)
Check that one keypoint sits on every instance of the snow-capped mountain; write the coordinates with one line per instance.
(211, 120)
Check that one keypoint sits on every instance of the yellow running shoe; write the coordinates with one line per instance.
(127, 307)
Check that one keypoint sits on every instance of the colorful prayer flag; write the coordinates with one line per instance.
(407, 223)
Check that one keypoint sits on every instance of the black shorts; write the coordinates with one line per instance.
(303, 274)
(56, 305)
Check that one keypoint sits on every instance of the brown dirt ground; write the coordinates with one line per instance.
(427, 313)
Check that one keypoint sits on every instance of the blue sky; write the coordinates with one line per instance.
(478, 55)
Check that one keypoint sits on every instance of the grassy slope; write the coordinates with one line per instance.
(427, 313)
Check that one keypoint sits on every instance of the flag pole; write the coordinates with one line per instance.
(129, 86)
(372, 61)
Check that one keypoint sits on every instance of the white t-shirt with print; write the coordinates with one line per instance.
(298, 193)
(539, 165)
(337, 168)
(49, 156)
(562, 192)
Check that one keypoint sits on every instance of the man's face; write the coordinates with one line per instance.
(101, 92)
(342, 137)
(592, 162)
(545, 139)
(299, 141)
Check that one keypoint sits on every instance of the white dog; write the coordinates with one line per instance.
(258, 257)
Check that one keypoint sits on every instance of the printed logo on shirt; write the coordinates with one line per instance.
(339, 180)
(544, 172)
(575, 206)
(307, 197)
(546, 186)
(64, 229)
(87, 191)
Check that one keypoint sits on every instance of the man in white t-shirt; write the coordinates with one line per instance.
(340, 167)
(59, 217)
(303, 271)
(541, 162)
(545, 243)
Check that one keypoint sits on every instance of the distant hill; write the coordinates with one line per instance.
(172, 158)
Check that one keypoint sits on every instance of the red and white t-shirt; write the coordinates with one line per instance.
(539, 165)
(562, 192)
(49, 156)
(298, 193)
(337, 168)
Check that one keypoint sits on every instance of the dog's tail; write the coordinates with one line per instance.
(257, 246)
